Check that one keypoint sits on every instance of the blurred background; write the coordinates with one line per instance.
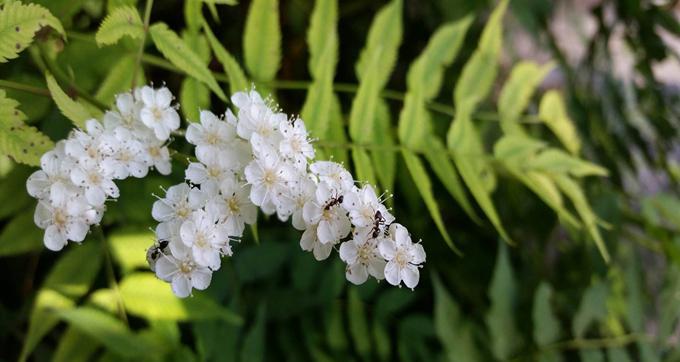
(549, 297)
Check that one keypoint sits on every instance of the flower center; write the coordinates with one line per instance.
(201, 240)
(211, 138)
(157, 113)
(186, 267)
(182, 212)
(59, 218)
(233, 205)
(269, 178)
(94, 178)
(154, 151)
(214, 172)
(365, 253)
(401, 258)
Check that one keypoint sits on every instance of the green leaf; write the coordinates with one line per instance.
(75, 346)
(593, 308)
(20, 235)
(517, 92)
(106, 329)
(424, 80)
(124, 20)
(422, 181)
(338, 133)
(262, 40)
(260, 262)
(129, 249)
(505, 338)
(181, 55)
(546, 325)
(221, 2)
(557, 161)
(69, 279)
(373, 70)
(193, 97)
(440, 161)
(456, 335)
(23, 143)
(72, 109)
(577, 197)
(335, 328)
(143, 293)
(384, 157)
(119, 79)
(358, 324)
(254, 343)
(237, 79)
(322, 39)
(19, 23)
(553, 112)
(363, 167)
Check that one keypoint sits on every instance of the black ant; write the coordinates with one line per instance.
(379, 220)
(334, 201)
(156, 250)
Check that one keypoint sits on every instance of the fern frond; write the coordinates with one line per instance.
(23, 143)
(124, 20)
(19, 23)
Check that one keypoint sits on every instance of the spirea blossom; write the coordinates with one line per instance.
(261, 158)
(77, 177)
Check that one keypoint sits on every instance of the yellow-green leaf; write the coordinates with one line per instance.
(119, 79)
(557, 161)
(181, 55)
(262, 40)
(143, 293)
(237, 79)
(517, 92)
(124, 20)
(384, 38)
(129, 249)
(424, 185)
(19, 23)
(553, 112)
(72, 109)
(363, 167)
(384, 157)
(21, 142)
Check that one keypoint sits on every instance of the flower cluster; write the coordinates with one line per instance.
(261, 158)
(77, 176)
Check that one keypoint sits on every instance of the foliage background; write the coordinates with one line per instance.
(550, 296)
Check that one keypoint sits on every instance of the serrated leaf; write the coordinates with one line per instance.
(546, 325)
(456, 335)
(72, 109)
(358, 324)
(237, 79)
(23, 143)
(553, 112)
(424, 185)
(384, 157)
(143, 293)
(19, 23)
(181, 55)
(106, 329)
(262, 40)
(505, 338)
(322, 39)
(517, 92)
(119, 79)
(574, 192)
(373, 70)
(69, 279)
(20, 235)
(593, 307)
(124, 20)
(441, 163)
(557, 161)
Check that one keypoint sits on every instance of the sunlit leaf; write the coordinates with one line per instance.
(237, 79)
(517, 92)
(124, 20)
(384, 157)
(262, 40)
(23, 143)
(72, 109)
(553, 112)
(19, 23)
(129, 249)
(119, 79)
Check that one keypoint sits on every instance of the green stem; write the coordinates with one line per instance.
(597, 343)
(24, 88)
(138, 60)
(111, 274)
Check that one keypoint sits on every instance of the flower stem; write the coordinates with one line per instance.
(24, 88)
(111, 274)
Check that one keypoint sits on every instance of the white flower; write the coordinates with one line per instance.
(234, 206)
(403, 257)
(310, 242)
(268, 176)
(183, 272)
(40, 183)
(157, 155)
(180, 200)
(206, 238)
(365, 208)
(333, 174)
(295, 144)
(96, 180)
(362, 257)
(300, 192)
(126, 155)
(83, 148)
(212, 169)
(327, 212)
(211, 134)
(259, 119)
(64, 217)
(157, 113)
